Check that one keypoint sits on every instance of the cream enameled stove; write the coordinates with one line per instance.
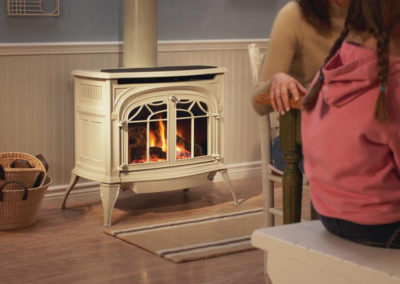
(148, 129)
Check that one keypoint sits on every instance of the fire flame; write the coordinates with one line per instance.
(158, 139)
(182, 153)
(152, 139)
(179, 132)
(162, 133)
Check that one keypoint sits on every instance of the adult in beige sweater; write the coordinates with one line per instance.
(301, 37)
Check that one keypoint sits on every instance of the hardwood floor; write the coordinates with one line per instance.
(69, 246)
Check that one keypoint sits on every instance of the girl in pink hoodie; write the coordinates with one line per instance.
(351, 128)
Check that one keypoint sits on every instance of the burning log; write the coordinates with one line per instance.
(138, 154)
(137, 144)
(184, 148)
(137, 136)
(156, 153)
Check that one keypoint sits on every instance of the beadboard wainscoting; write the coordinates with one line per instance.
(36, 98)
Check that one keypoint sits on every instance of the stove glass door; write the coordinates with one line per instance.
(192, 120)
(171, 129)
(148, 133)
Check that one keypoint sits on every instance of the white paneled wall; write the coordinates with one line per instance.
(36, 95)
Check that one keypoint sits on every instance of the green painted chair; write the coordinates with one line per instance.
(269, 127)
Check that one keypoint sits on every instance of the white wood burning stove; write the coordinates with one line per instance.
(148, 129)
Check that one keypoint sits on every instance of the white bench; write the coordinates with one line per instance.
(305, 253)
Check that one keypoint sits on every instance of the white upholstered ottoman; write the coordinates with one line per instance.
(305, 253)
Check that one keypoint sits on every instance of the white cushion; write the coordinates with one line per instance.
(308, 253)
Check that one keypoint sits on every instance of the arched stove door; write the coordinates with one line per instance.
(170, 130)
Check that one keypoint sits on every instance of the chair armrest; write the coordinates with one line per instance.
(263, 99)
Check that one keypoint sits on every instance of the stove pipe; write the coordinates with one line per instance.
(140, 33)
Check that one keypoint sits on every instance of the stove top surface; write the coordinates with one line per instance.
(155, 69)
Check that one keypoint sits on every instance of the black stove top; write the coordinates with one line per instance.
(158, 69)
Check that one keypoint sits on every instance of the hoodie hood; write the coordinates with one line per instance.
(352, 161)
(351, 72)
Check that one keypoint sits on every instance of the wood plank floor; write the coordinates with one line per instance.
(69, 246)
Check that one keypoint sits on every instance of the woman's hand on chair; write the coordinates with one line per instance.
(283, 85)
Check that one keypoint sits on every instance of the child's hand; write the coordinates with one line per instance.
(281, 85)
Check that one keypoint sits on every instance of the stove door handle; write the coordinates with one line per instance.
(174, 99)
(124, 168)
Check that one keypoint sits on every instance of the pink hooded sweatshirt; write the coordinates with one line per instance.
(351, 160)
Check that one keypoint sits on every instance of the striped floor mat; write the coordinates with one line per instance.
(196, 237)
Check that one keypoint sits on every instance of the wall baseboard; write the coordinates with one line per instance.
(238, 171)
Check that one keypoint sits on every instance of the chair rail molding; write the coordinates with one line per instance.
(104, 47)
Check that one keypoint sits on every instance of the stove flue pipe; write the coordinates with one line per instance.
(139, 33)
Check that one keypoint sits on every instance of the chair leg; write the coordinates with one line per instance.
(268, 193)
(292, 180)
(267, 184)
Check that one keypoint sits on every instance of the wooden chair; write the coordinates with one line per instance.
(268, 125)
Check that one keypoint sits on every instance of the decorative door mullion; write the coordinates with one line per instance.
(192, 137)
(147, 141)
(209, 136)
(171, 139)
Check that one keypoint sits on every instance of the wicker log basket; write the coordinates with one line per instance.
(23, 183)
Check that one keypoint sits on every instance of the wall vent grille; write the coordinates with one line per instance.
(33, 8)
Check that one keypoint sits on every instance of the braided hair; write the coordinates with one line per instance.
(375, 17)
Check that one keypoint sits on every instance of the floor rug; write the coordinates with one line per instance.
(225, 231)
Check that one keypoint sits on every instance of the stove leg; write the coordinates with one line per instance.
(228, 183)
(109, 194)
(72, 182)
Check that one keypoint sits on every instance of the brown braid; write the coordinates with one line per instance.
(311, 99)
(381, 110)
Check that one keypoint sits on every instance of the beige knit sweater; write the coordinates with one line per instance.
(296, 47)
